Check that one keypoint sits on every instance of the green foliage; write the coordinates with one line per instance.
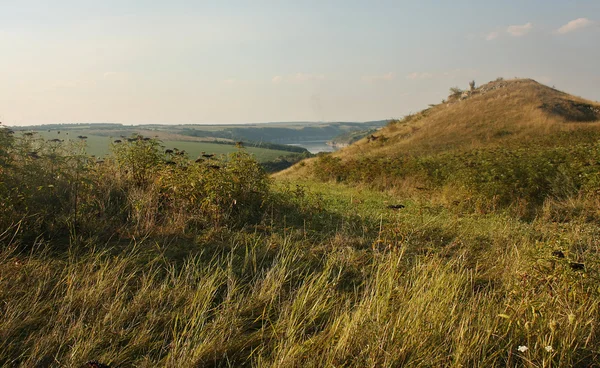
(42, 184)
(503, 176)
(214, 193)
(283, 162)
(54, 189)
(6, 142)
(138, 159)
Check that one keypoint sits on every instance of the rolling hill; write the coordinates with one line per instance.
(502, 113)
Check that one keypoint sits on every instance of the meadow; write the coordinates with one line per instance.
(434, 260)
(99, 145)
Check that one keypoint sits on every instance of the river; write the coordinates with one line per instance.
(314, 146)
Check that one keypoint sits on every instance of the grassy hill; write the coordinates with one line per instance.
(506, 140)
(461, 249)
(495, 114)
(348, 138)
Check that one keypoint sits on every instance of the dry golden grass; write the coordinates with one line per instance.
(423, 287)
(512, 113)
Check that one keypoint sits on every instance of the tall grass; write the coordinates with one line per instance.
(151, 260)
(450, 292)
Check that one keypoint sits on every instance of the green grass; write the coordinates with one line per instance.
(422, 286)
(100, 146)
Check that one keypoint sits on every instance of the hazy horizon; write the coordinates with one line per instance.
(136, 62)
(204, 124)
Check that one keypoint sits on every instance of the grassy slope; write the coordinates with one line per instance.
(499, 113)
(509, 111)
(354, 284)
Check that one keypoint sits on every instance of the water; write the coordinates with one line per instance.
(314, 146)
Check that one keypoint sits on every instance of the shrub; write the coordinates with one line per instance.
(455, 92)
(41, 184)
(330, 167)
(138, 159)
(54, 189)
(504, 176)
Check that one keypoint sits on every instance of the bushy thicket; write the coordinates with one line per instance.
(52, 188)
(502, 175)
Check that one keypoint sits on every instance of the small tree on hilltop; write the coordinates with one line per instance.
(455, 92)
(472, 85)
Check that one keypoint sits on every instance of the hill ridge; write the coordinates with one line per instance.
(496, 113)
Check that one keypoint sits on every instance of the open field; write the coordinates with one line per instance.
(283, 133)
(100, 146)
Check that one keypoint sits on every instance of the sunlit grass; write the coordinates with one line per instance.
(421, 287)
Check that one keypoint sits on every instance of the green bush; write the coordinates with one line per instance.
(41, 184)
(503, 176)
(54, 189)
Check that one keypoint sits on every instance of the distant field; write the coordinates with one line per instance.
(272, 133)
(100, 146)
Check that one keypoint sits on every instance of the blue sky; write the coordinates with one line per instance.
(183, 61)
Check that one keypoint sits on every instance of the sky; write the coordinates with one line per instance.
(234, 61)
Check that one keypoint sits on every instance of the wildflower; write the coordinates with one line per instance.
(549, 349)
(522, 348)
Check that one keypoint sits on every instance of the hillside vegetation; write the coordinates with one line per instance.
(151, 259)
(504, 143)
(493, 115)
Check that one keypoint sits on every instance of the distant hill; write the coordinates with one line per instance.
(501, 113)
(513, 144)
(282, 133)
(273, 132)
(269, 142)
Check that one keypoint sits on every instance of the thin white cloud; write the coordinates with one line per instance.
(297, 78)
(108, 75)
(575, 25)
(303, 77)
(71, 83)
(518, 31)
(417, 75)
(381, 77)
(492, 36)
